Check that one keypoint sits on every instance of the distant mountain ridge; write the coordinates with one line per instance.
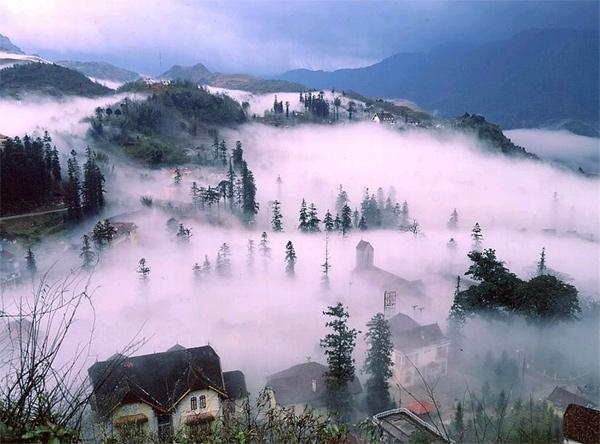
(101, 70)
(537, 78)
(200, 74)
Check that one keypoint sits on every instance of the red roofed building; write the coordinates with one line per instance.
(420, 408)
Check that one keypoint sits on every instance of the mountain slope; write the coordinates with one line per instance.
(7, 46)
(47, 79)
(197, 73)
(536, 78)
(101, 70)
(200, 74)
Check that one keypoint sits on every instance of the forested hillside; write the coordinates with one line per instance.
(47, 79)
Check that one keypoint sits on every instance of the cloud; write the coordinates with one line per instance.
(265, 36)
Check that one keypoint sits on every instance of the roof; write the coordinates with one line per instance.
(563, 397)
(158, 379)
(581, 424)
(295, 385)
(418, 337)
(363, 245)
(384, 115)
(390, 281)
(235, 384)
(420, 407)
(400, 323)
(400, 424)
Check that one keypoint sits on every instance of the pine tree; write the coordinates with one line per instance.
(249, 204)
(250, 254)
(290, 259)
(206, 266)
(184, 233)
(73, 189)
(103, 233)
(92, 189)
(326, 265)
(177, 176)
(276, 218)
(541, 265)
(313, 219)
(328, 222)
(378, 364)
(143, 269)
(237, 155)
(196, 194)
(215, 147)
(451, 244)
(346, 221)
(453, 221)
(265, 250)
(55, 165)
(197, 270)
(337, 223)
(87, 255)
(223, 266)
(30, 262)
(458, 424)
(303, 217)
(223, 152)
(342, 200)
(477, 237)
(339, 345)
(404, 216)
(355, 218)
(362, 224)
(231, 176)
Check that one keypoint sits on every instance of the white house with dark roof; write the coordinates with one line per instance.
(417, 349)
(164, 392)
(384, 117)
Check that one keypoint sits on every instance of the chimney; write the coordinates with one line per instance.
(314, 386)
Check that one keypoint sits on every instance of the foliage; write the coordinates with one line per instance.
(30, 174)
(47, 79)
(339, 345)
(378, 364)
(290, 259)
(500, 293)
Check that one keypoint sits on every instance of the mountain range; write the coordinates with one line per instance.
(537, 78)
(101, 70)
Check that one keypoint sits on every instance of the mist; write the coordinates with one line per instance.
(260, 320)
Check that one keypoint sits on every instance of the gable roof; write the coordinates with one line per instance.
(158, 379)
(398, 425)
(563, 397)
(383, 115)
(401, 322)
(363, 245)
(418, 337)
(295, 385)
(581, 424)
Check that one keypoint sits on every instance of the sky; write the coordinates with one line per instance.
(267, 36)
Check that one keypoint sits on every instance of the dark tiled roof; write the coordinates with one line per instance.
(159, 379)
(235, 384)
(562, 398)
(581, 424)
(294, 385)
(418, 337)
(400, 323)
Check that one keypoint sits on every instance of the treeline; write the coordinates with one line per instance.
(156, 129)
(30, 174)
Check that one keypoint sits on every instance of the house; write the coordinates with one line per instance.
(581, 425)
(302, 386)
(560, 398)
(381, 279)
(384, 117)
(164, 392)
(420, 351)
(403, 426)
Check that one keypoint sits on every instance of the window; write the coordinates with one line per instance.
(193, 403)
(202, 401)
